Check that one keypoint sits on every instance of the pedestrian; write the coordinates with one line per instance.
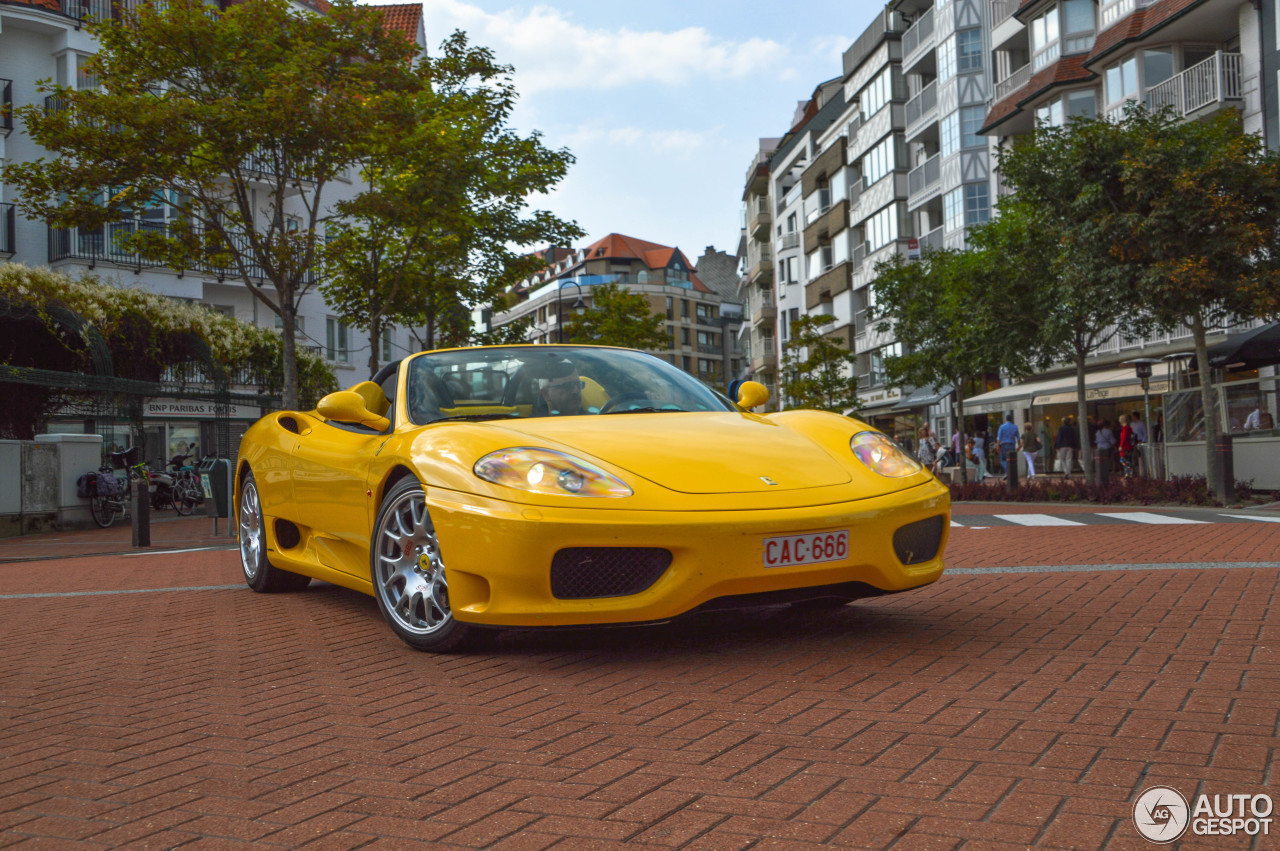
(980, 445)
(957, 445)
(1007, 440)
(1030, 447)
(1128, 447)
(1067, 444)
(1139, 438)
(1105, 443)
(974, 463)
(928, 451)
(1138, 426)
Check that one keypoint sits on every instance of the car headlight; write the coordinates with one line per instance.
(547, 471)
(883, 455)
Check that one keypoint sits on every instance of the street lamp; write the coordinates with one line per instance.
(1142, 367)
(579, 306)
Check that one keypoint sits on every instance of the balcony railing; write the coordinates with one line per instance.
(8, 222)
(1012, 83)
(1214, 80)
(921, 105)
(789, 240)
(855, 193)
(817, 204)
(933, 239)
(6, 107)
(925, 176)
(1002, 10)
(918, 37)
(1113, 12)
(83, 10)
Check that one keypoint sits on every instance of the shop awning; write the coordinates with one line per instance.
(1106, 384)
(922, 397)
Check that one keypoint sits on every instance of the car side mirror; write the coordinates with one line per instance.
(347, 406)
(752, 394)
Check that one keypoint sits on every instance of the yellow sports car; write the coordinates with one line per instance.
(525, 486)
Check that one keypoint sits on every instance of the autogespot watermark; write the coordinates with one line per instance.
(1163, 815)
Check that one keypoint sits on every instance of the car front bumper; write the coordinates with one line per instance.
(498, 555)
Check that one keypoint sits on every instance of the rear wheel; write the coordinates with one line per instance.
(259, 573)
(409, 578)
(184, 498)
(103, 511)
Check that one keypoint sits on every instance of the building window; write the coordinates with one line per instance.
(977, 204)
(946, 59)
(684, 335)
(971, 118)
(969, 50)
(335, 335)
(1045, 46)
(882, 228)
(1122, 82)
(386, 346)
(1077, 25)
(1050, 113)
(876, 94)
(1082, 104)
(878, 161)
(953, 209)
(299, 325)
(684, 308)
(671, 312)
(949, 130)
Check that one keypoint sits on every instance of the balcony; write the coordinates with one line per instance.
(789, 240)
(921, 106)
(764, 315)
(1110, 13)
(924, 179)
(859, 255)
(758, 217)
(933, 241)
(84, 10)
(829, 284)
(6, 107)
(834, 220)
(8, 224)
(766, 359)
(817, 204)
(917, 39)
(1012, 83)
(760, 263)
(1214, 81)
(1002, 10)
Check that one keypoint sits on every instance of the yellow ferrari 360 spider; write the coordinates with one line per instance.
(525, 486)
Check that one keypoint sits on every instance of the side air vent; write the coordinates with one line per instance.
(287, 535)
(288, 424)
(580, 573)
(918, 542)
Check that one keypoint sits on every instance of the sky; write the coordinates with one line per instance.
(662, 103)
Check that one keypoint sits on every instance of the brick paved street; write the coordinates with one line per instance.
(992, 709)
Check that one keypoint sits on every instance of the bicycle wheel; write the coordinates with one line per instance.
(103, 510)
(184, 498)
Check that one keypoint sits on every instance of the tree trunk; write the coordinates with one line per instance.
(289, 365)
(959, 409)
(1082, 422)
(375, 334)
(1210, 408)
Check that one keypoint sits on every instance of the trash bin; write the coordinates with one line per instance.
(1224, 482)
(215, 479)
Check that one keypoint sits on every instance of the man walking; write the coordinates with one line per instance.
(1007, 440)
(1030, 446)
(1067, 443)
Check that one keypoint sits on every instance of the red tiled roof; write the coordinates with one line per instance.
(51, 5)
(1137, 25)
(405, 17)
(651, 254)
(1065, 71)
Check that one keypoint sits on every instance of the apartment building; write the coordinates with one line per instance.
(47, 39)
(702, 323)
(1059, 59)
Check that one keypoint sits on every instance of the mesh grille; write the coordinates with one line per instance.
(582, 572)
(918, 542)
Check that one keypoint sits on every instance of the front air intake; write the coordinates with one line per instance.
(580, 573)
(918, 542)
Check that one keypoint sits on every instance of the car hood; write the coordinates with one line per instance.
(695, 453)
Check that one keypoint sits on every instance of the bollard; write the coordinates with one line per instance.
(1102, 467)
(1011, 470)
(1224, 482)
(141, 513)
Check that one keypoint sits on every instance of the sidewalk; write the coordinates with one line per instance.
(168, 531)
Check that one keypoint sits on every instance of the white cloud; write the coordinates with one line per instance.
(550, 51)
(686, 142)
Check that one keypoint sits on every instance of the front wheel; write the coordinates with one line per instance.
(103, 510)
(184, 499)
(409, 578)
(259, 573)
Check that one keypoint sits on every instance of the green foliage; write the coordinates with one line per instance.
(817, 370)
(445, 203)
(618, 317)
(239, 120)
(145, 332)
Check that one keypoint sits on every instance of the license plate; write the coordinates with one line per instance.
(814, 548)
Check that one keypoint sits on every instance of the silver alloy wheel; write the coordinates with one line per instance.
(409, 573)
(253, 537)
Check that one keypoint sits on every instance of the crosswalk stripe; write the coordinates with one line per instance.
(954, 523)
(1148, 517)
(1252, 517)
(1037, 520)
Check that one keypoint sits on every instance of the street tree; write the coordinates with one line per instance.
(618, 317)
(1201, 200)
(818, 370)
(439, 225)
(959, 315)
(1065, 230)
(234, 125)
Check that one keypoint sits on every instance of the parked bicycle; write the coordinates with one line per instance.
(108, 494)
(187, 493)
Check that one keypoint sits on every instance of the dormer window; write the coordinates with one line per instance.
(1045, 46)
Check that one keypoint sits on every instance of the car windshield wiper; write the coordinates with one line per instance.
(477, 417)
(649, 410)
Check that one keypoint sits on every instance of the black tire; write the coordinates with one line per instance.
(103, 511)
(162, 498)
(408, 576)
(259, 573)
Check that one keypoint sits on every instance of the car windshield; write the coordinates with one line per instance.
(543, 381)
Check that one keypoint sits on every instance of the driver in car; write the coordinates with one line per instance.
(563, 391)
